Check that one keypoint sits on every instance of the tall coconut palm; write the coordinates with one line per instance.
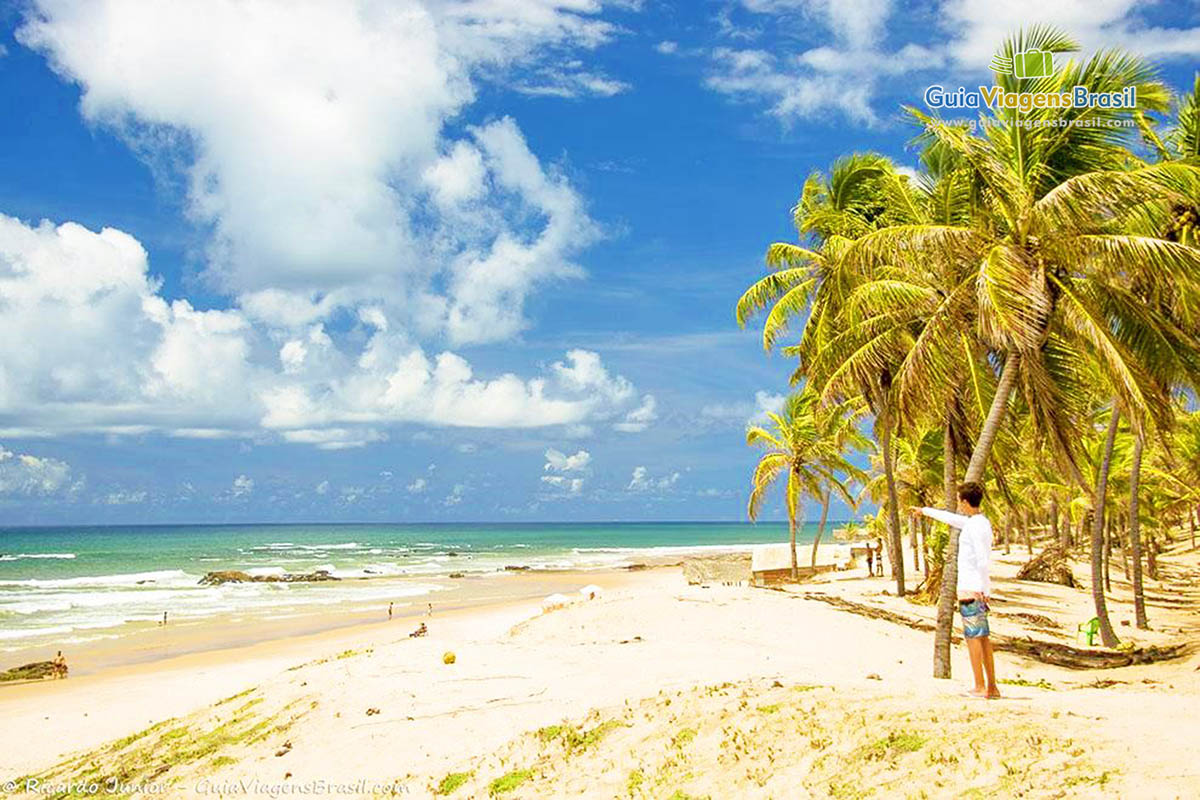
(830, 213)
(1044, 261)
(806, 445)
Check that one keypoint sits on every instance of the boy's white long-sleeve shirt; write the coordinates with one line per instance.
(974, 548)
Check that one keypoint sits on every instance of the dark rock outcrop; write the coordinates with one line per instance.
(237, 576)
(35, 671)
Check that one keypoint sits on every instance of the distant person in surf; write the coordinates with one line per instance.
(974, 586)
(390, 610)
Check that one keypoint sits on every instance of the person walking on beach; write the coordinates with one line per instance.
(870, 559)
(60, 666)
(974, 586)
(879, 555)
(390, 610)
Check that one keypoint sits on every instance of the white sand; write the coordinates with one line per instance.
(519, 669)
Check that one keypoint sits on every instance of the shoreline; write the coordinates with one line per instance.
(148, 643)
(652, 657)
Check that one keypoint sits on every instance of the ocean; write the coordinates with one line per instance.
(69, 585)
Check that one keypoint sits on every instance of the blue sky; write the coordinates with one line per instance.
(430, 259)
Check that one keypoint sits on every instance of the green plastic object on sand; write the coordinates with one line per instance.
(1090, 629)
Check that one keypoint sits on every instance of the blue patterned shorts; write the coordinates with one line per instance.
(974, 616)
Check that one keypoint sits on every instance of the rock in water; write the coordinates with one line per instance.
(237, 576)
(37, 670)
(1050, 566)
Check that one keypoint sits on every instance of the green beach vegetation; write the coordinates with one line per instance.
(1024, 311)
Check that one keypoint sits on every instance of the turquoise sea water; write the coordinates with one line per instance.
(73, 584)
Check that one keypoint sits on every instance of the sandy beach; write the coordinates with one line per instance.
(654, 688)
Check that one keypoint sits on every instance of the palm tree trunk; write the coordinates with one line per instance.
(1054, 528)
(792, 543)
(1107, 635)
(913, 544)
(1008, 522)
(893, 519)
(987, 434)
(925, 546)
(1195, 513)
(1025, 534)
(1151, 557)
(1123, 543)
(948, 592)
(820, 529)
(1108, 546)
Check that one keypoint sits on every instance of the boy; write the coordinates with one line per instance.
(974, 552)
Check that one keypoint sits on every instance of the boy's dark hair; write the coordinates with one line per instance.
(971, 492)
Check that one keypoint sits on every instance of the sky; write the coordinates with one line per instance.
(432, 260)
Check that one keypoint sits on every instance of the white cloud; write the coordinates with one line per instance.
(557, 461)
(456, 495)
(123, 498)
(571, 83)
(571, 486)
(417, 486)
(639, 418)
(242, 486)
(22, 473)
(366, 199)
(112, 355)
(667, 47)
(323, 487)
(642, 481)
(745, 413)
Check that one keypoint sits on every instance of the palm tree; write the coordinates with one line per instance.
(831, 212)
(807, 443)
(1050, 274)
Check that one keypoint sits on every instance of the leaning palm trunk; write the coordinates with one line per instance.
(991, 425)
(948, 594)
(792, 543)
(820, 529)
(895, 542)
(1107, 635)
(1135, 533)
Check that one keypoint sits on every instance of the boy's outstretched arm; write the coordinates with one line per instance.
(948, 517)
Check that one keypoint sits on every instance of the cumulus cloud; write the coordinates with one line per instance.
(456, 495)
(642, 481)
(365, 198)
(570, 486)
(242, 486)
(113, 355)
(639, 418)
(557, 461)
(417, 486)
(25, 474)
(745, 413)
(322, 488)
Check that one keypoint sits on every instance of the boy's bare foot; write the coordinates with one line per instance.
(994, 694)
(979, 693)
